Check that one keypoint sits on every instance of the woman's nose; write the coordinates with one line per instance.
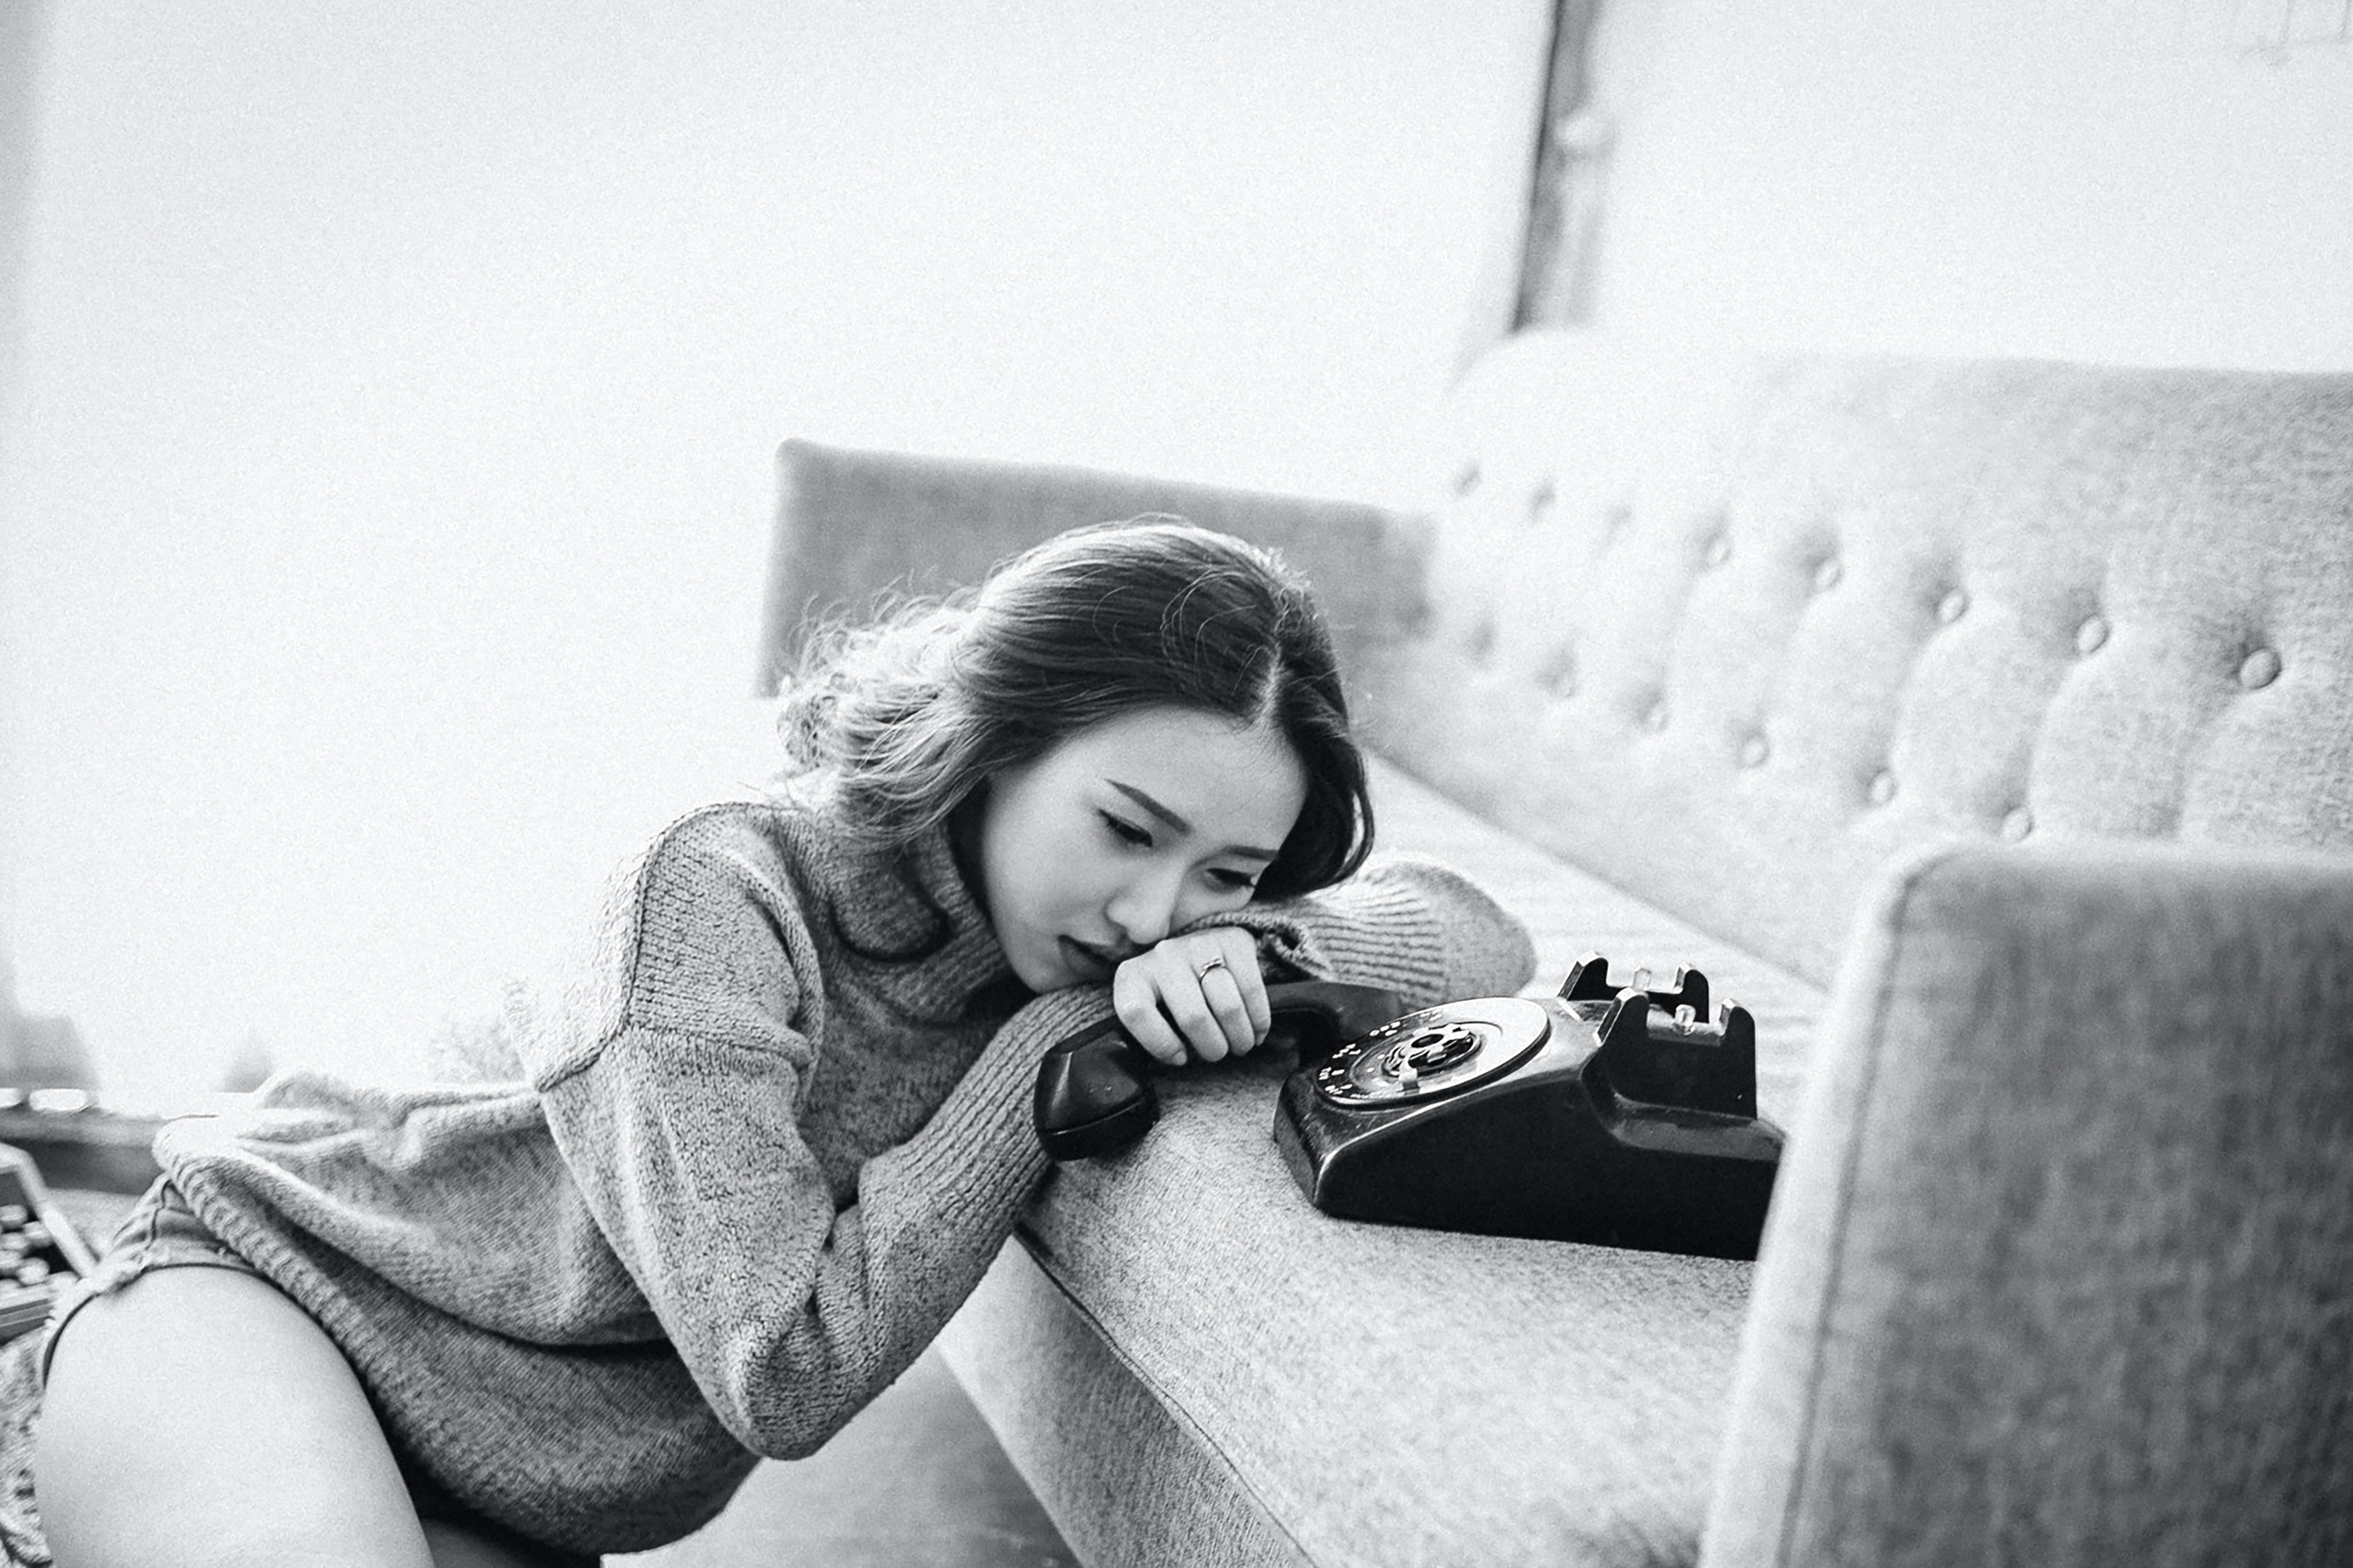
(1145, 909)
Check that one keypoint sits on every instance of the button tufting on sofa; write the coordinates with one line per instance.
(2092, 635)
(1826, 573)
(1964, 1314)
(1557, 673)
(1540, 504)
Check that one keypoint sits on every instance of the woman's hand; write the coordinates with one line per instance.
(1200, 993)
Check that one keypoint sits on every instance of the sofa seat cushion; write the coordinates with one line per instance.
(1240, 1378)
(1570, 912)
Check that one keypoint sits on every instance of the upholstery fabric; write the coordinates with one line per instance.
(1114, 1467)
(1377, 1390)
(851, 524)
(2060, 1270)
(1570, 912)
(1736, 631)
(1327, 1392)
(1689, 652)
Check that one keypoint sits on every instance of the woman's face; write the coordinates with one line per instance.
(1129, 830)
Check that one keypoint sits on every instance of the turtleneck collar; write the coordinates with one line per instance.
(918, 904)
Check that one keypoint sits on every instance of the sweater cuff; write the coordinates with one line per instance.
(1372, 931)
(1411, 925)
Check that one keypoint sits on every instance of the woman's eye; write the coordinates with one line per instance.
(1126, 832)
(1236, 881)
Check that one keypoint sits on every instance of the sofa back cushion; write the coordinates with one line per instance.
(1735, 630)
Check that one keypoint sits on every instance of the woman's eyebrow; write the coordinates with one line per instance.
(1173, 820)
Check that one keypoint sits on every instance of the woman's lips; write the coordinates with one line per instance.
(1088, 961)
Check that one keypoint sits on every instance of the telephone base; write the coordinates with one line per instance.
(1509, 1116)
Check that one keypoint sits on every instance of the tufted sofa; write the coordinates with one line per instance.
(1987, 728)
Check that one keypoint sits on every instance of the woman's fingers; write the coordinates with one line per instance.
(1199, 995)
(1135, 997)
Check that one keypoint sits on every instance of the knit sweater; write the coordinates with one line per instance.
(755, 1157)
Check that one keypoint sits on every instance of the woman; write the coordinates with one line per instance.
(758, 1156)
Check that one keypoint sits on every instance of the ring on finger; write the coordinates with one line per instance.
(1203, 973)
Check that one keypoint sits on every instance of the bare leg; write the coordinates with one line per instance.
(200, 1417)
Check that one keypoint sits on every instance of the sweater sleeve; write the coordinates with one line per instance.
(681, 1127)
(1406, 923)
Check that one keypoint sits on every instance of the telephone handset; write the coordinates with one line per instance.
(1623, 1115)
(1094, 1089)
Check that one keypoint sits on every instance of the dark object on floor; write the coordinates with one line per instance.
(41, 1248)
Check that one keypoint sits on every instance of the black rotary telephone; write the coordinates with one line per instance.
(1619, 1115)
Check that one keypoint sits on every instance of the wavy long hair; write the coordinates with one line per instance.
(894, 722)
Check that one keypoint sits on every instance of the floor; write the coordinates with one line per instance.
(916, 1481)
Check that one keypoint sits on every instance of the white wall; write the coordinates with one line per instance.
(385, 484)
(23, 30)
(2132, 181)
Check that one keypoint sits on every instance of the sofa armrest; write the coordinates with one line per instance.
(2061, 1268)
(852, 523)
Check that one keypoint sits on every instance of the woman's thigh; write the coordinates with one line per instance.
(198, 1417)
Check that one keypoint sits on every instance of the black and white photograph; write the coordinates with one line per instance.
(1412, 783)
